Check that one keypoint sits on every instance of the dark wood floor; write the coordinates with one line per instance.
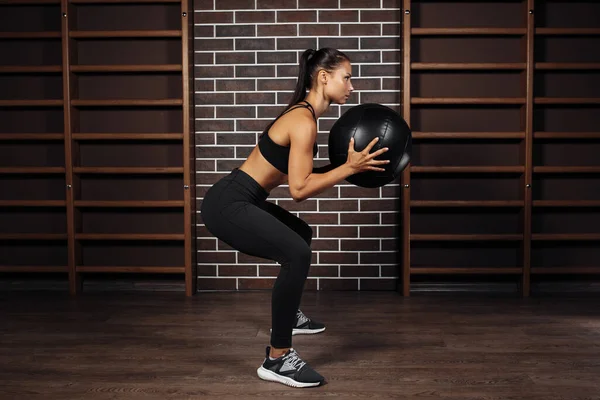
(377, 345)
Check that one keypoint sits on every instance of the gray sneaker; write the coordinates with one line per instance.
(290, 370)
(305, 325)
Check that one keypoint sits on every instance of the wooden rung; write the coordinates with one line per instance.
(130, 236)
(128, 68)
(32, 136)
(125, 34)
(33, 236)
(467, 100)
(567, 170)
(566, 135)
(12, 69)
(128, 170)
(32, 170)
(574, 66)
(565, 270)
(131, 269)
(465, 270)
(33, 203)
(466, 203)
(29, 2)
(127, 136)
(31, 103)
(567, 31)
(465, 238)
(566, 100)
(127, 103)
(466, 169)
(566, 236)
(468, 135)
(467, 66)
(129, 204)
(468, 31)
(566, 203)
(122, 1)
(30, 35)
(33, 268)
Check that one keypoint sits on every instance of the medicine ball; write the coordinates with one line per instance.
(365, 122)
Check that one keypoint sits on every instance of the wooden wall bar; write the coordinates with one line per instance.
(503, 99)
(97, 132)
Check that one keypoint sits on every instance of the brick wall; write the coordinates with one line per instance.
(246, 58)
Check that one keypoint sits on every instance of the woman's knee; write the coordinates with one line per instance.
(306, 232)
(299, 255)
(305, 254)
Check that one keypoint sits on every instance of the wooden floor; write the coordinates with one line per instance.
(377, 345)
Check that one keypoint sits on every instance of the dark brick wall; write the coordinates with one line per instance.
(246, 57)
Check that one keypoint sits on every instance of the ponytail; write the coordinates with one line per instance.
(325, 58)
(304, 77)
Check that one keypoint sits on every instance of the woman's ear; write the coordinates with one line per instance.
(323, 77)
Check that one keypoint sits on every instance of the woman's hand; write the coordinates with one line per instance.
(361, 161)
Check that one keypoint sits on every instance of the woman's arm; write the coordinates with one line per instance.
(323, 169)
(304, 183)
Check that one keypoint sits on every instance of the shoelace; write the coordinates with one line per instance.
(293, 360)
(301, 318)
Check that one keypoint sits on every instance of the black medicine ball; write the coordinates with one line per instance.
(365, 122)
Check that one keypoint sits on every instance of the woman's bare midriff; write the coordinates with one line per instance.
(267, 176)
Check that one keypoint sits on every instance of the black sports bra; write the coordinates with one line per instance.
(276, 154)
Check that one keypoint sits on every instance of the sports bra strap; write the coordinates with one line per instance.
(308, 105)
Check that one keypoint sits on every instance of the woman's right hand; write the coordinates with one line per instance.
(361, 161)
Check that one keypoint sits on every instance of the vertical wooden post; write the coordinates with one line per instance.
(74, 281)
(187, 18)
(527, 220)
(405, 181)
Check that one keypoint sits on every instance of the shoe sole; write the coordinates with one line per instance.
(304, 331)
(271, 376)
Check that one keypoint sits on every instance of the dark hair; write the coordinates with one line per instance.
(311, 62)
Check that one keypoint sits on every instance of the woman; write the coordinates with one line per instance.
(236, 211)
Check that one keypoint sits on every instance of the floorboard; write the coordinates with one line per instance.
(161, 345)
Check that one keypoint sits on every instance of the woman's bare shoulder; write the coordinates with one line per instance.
(302, 128)
(297, 120)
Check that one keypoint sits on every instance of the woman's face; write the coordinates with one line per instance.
(339, 85)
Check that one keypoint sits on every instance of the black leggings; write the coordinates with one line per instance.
(235, 210)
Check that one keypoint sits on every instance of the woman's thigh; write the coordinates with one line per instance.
(253, 231)
(290, 220)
